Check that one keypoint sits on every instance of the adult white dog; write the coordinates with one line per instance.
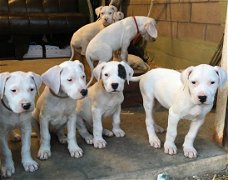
(83, 36)
(18, 91)
(118, 36)
(189, 95)
(104, 99)
(55, 109)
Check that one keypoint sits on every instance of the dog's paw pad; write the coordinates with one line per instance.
(155, 142)
(89, 139)
(76, 152)
(100, 143)
(30, 166)
(7, 170)
(44, 154)
(118, 132)
(107, 132)
(170, 148)
(190, 152)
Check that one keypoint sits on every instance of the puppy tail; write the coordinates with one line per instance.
(136, 78)
(72, 52)
(89, 61)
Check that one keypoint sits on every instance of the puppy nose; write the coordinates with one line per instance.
(26, 106)
(115, 85)
(84, 92)
(202, 99)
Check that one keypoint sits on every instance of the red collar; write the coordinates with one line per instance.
(136, 24)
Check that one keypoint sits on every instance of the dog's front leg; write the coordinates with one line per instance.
(169, 146)
(7, 168)
(98, 140)
(26, 131)
(116, 123)
(45, 149)
(189, 150)
(74, 149)
(124, 52)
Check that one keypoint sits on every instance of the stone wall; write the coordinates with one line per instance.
(188, 30)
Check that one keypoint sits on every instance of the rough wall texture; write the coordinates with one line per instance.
(201, 19)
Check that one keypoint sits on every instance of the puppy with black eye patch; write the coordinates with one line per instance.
(104, 99)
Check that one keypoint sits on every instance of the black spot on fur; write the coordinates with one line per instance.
(121, 71)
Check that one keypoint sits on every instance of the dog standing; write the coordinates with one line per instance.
(18, 91)
(55, 109)
(187, 95)
(104, 99)
(118, 36)
(83, 36)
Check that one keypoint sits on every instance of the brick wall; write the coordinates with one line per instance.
(199, 19)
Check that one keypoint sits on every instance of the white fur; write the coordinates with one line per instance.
(118, 36)
(102, 101)
(180, 93)
(83, 36)
(56, 106)
(18, 91)
(117, 16)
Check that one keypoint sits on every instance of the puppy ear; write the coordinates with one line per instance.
(98, 10)
(150, 27)
(185, 74)
(37, 80)
(97, 70)
(129, 71)
(222, 74)
(80, 64)
(51, 78)
(114, 8)
(3, 78)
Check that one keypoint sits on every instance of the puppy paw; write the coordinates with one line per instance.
(155, 142)
(107, 132)
(44, 153)
(63, 139)
(118, 132)
(89, 139)
(75, 152)
(30, 166)
(158, 129)
(190, 152)
(170, 148)
(7, 169)
(99, 143)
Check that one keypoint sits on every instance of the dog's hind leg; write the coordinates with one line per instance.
(148, 103)
(83, 131)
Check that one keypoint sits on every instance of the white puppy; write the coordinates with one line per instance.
(118, 36)
(187, 95)
(55, 109)
(104, 99)
(18, 91)
(83, 36)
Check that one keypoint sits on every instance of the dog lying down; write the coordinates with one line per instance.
(188, 95)
(18, 91)
(104, 99)
(65, 83)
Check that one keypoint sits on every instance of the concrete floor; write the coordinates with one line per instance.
(130, 157)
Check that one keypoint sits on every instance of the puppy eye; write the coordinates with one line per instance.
(13, 90)
(83, 77)
(102, 13)
(32, 89)
(106, 74)
(193, 82)
(69, 80)
(212, 82)
(110, 13)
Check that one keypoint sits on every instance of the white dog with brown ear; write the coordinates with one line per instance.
(118, 36)
(187, 95)
(104, 99)
(83, 36)
(18, 91)
(55, 109)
